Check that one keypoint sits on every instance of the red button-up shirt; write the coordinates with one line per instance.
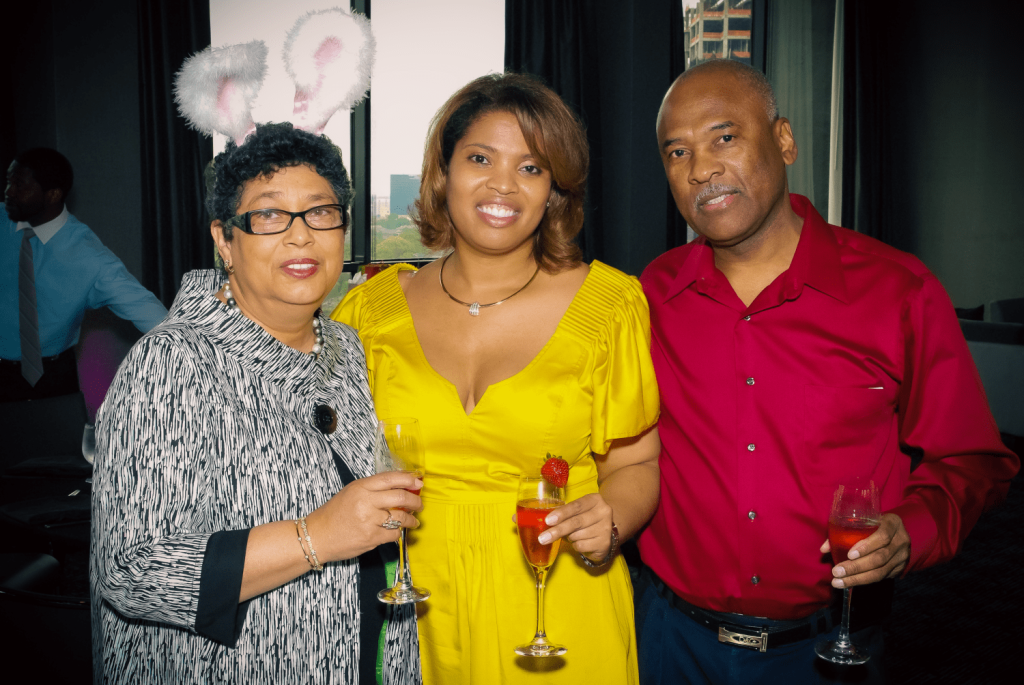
(847, 362)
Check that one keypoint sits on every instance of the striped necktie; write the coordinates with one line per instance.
(28, 317)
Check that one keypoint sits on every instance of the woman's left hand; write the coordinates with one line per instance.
(586, 522)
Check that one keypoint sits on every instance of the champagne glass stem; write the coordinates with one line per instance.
(404, 579)
(843, 641)
(541, 573)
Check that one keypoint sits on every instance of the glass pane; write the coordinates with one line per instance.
(717, 29)
(425, 52)
(242, 21)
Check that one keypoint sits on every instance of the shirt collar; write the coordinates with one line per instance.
(49, 229)
(699, 260)
(816, 262)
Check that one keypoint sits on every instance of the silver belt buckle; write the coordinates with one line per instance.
(760, 643)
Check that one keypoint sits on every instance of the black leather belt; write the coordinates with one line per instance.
(761, 638)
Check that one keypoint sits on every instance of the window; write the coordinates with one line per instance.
(713, 49)
(739, 50)
(738, 25)
(426, 50)
(242, 21)
(723, 28)
(713, 28)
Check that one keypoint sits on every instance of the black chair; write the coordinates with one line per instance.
(42, 428)
(1007, 311)
(28, 571)
(56, 524)
(971, 313)
(991, 332)
(46, 638)
(998, 352)
(44, 491)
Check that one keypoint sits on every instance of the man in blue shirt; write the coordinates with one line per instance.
(68, 271)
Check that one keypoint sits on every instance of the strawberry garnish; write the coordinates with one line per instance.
(555, 471)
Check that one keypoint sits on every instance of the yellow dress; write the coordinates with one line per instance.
(592, 383)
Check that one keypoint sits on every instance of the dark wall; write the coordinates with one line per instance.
(74, 70)
(958, 143)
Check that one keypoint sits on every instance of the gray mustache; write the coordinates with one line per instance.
(710, 191)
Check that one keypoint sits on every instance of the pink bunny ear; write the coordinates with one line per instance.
(215, 88)
(329, 55)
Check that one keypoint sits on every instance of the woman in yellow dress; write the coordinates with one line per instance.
(506, 349)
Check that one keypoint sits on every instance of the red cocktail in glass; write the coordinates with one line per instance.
(536, 499)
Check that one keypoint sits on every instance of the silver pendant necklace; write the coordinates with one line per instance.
(475, 307)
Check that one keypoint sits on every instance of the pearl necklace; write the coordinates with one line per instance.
(475, 307)
(317, 326)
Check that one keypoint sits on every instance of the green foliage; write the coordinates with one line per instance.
(396, 238)
(398, 247)
(393, 221)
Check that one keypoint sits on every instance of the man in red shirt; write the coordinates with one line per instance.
(790, 355)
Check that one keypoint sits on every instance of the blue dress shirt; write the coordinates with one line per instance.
(73, 272)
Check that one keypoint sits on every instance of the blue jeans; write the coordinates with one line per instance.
(674, 649)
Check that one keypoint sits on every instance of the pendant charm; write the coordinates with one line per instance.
(474, 309)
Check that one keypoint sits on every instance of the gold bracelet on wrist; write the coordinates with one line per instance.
(314, 563)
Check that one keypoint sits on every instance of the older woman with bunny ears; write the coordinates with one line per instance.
(239, 532)
(237, 520)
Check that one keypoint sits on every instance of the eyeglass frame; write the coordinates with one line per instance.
(243, 221)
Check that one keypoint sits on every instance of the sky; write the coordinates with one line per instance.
(426, 50)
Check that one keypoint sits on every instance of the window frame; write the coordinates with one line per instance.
(359, 144)
(362, 207)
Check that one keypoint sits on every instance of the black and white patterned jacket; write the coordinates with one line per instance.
(208, 427)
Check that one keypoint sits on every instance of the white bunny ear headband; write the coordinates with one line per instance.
(328, 54)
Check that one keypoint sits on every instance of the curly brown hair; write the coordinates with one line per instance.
(556, 139)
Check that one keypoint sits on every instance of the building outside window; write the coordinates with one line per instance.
(717, 29)
(426, 50)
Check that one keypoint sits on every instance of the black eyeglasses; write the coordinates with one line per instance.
(271, 221)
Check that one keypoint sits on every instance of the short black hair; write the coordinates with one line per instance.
(754, 78)
(49, 167)
(269, 149)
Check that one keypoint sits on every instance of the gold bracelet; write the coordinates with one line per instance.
(298, 534)
(314, 563)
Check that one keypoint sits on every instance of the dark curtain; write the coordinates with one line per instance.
(550, 40)
(176, 236)
(676, 234)
(868, 175)
(611, 62)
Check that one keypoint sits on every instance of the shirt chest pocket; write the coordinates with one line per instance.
(846, 431)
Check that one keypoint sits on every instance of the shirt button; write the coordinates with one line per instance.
(750, 381)
(746, 318)
(751, 514)
(755, 580)
(750, 447)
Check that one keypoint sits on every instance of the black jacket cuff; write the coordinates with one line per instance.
(220, 615)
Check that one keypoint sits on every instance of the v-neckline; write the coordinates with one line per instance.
(454, 388)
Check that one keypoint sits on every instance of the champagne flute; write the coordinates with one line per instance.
(89, 445)
(399, 447)
(88, 442)
(536, 498)
(855, 515)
